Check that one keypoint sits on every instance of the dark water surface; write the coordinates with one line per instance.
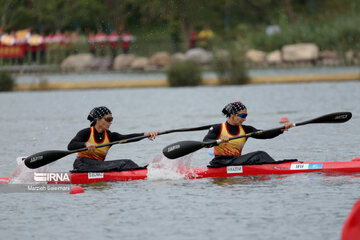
(300, 206)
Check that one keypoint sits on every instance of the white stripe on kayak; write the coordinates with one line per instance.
(299, 166)
(306, 166)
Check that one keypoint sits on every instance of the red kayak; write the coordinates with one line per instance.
(351, 228)
(195, 173)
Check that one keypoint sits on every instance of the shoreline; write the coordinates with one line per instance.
(211, 81)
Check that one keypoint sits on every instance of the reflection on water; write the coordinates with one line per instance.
(257, 179)
(239, 180)
(97, 186)
(340, 176)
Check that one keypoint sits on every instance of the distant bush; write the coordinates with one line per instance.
(340, 34)
(186, 73)
(230, 68)
(7, 82)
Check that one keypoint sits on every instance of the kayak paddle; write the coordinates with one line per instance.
(42, 158)
(183, 148)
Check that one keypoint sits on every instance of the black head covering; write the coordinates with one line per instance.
(97, 114)
(233, 108)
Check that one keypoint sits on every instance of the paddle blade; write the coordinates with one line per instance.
(42, 158)
(338, 117)
(182, 148)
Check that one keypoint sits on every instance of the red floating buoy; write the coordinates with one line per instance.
(356, 159)
(76, 190)
(351, 229)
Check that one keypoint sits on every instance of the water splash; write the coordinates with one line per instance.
(211, 152)
(161, 168)
(23, 174)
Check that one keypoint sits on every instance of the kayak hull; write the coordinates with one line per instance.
(230, 171)
(81, 178)
(278, 169)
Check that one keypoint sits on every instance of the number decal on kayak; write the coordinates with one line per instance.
(94, 175)
(306, 166)
(299, 166)
(234, 169)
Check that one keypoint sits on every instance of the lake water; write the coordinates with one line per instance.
(300, 206)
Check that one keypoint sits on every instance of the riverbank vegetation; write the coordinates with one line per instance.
(7, 81)
(187, 73)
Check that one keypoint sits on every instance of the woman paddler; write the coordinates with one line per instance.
(93, 160)
(229, 153)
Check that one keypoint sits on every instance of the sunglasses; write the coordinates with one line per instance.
(242, 115)
(109, 119)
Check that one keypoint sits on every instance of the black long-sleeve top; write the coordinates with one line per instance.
(215, 130)
(83, 136)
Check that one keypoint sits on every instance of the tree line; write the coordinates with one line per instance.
(157, 18)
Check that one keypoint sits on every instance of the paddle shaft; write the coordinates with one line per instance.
(183, 148)
(43, 158)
